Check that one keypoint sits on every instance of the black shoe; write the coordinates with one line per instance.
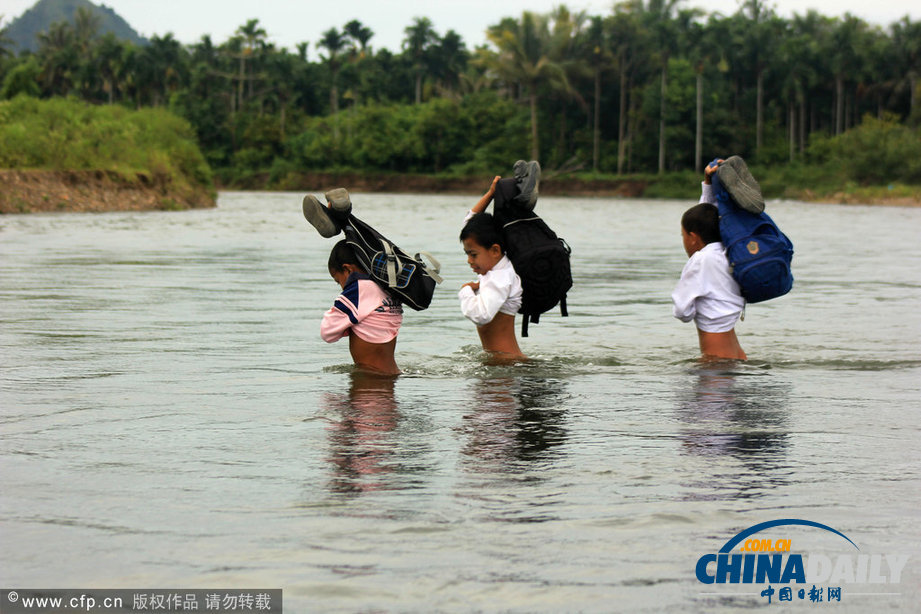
(740, 184)
(319, 217)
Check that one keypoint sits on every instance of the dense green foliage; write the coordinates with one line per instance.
(67, 134)
(432, 137)
(877, 151)
(648, 88)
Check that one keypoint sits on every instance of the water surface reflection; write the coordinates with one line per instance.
(733, 412)
(515, 421)
(361, 433)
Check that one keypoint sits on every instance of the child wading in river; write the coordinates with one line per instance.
(706, 292)
(492, 301)
(364, 312)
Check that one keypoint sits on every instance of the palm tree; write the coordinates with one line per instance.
(630, 46)
(86, 26)
(760, 43)
(281, 67)
(792, 50)
(658, 17)
(58, 55)
(601, 60)
(701, 46)
(807, 41)
(524, 57)
(846, 61)
(700, 55)
(162, 68)
(334, 42)
(906, 36)
(253, 41)
(449, 59)
(568, 50)
(111, 55)
(359, 34)
(209, 98)
(420, 36)
(799, 54)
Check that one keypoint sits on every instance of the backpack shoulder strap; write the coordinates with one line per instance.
(391, 263)
(521, 219)
(433, 270)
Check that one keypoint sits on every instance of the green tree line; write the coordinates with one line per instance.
(651, 87)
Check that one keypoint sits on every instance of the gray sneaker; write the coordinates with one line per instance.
(527, 176)
(340, 204)
(319, 217)
(740, 184)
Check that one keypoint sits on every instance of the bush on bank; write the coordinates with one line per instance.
(67, 134)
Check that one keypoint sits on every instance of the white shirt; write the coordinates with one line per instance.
(706, 194)
(707, 293)
(500, 292)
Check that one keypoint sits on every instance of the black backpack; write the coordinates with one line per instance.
(405, 277)
(540, 258)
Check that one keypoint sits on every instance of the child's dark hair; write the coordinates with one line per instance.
(482, 228)
(341, 255)
(704, 220)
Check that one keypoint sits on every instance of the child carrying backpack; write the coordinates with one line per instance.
(376, 278)
(736, 254)
(492, 301)
(517, 239)
(538, 255)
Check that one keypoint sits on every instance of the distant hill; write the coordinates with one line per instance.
(22, 31)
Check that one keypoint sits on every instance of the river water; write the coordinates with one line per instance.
(170, 416)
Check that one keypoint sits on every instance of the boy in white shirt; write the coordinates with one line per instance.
(492, 301)
(706, 292)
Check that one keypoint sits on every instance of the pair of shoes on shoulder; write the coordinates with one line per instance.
(742, 187)
(527, 176)
(328, 220)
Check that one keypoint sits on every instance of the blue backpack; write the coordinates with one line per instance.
(759, 253)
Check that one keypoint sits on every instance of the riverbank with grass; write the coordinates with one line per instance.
(67, 155)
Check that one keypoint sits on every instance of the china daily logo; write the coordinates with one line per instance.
(775, 560)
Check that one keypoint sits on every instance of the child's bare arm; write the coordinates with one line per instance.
(481, 205)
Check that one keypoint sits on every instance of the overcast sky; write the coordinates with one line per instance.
(288, 22)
